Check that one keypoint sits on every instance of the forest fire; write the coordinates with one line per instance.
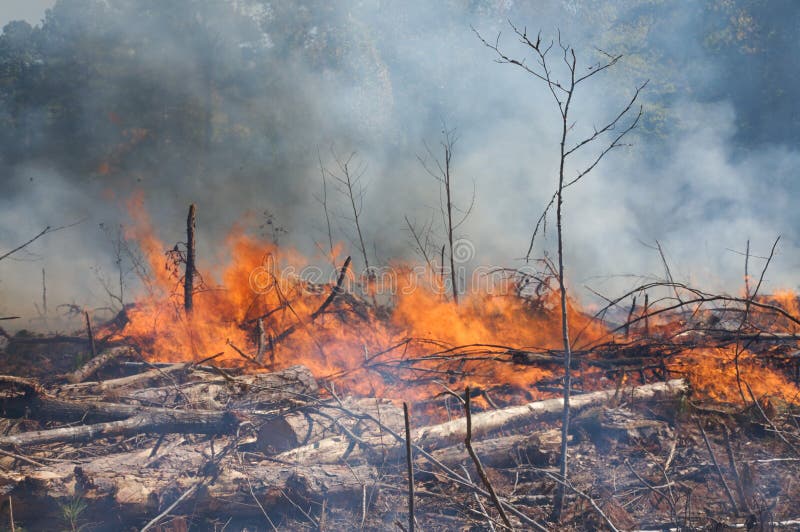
(303, 374)
(416, 340)
(560, 336)
(406, 341)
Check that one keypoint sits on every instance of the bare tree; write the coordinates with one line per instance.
(562, 88)
(352, 187)
(323, 200)
(422, 239)
(121, 251)
(443, 174)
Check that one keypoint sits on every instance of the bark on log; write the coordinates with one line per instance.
(88, 369)
(160, 421)
(540, 448)
(510, 417)
(333, 450)
(44, 408)
(244, 394)
(312, 424)
(116, 386)
(256, 391)
(137, 486)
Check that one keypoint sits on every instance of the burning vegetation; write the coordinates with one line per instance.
(275, 399)
(253, 386)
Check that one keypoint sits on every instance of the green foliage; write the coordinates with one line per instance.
(80, 359)
(71, 514)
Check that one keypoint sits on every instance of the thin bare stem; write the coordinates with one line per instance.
(479, 466)
(410, 468)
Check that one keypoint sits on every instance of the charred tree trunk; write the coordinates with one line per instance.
(188, 280)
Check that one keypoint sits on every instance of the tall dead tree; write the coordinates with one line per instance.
(562, 87)
(188, 278)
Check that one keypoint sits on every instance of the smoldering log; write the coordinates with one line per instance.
(137, 486)
(332, 450)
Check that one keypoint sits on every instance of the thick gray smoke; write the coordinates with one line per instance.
(278, 84)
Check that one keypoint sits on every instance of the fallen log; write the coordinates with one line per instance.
(159, 421)
(236, 398)
(136, 486)
(46, 408)
(540, 449)
(335, 449)
(59, 339)
(312, 424)
(143, 379)
(507, 418)
(263, 390)
(295, 384)
(91, 367)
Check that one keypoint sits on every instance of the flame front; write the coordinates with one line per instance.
(415, 341)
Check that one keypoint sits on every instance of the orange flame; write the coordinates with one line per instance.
(374, 349)
(712, 373)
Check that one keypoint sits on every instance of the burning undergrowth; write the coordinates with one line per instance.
(273, 395)
(397, 333)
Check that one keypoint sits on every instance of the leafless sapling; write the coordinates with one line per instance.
(441, 171)
(562, 86)
(350, 180)
(323, 200)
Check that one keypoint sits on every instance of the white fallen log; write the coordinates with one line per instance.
(335, 449)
